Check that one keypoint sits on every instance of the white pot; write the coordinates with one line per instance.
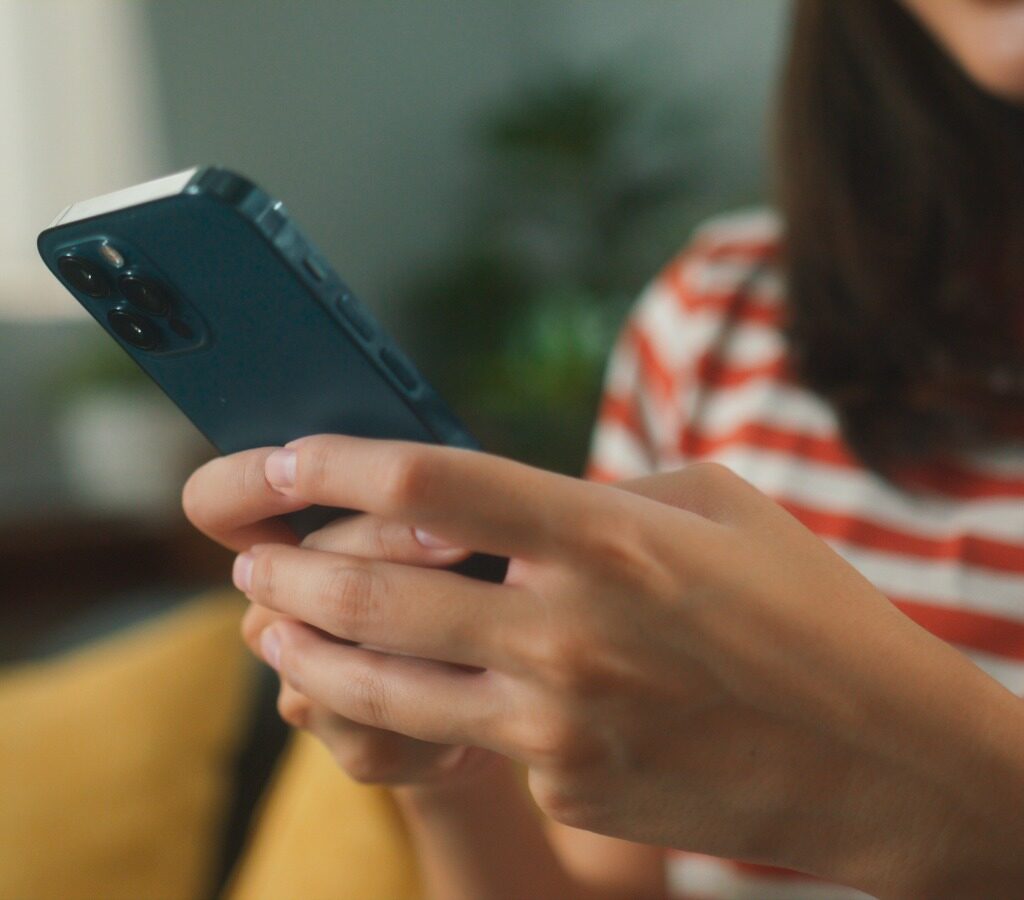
(126, 453)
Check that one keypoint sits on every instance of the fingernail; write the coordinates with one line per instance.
(431, 541)
(270, 647)
(280, 468)
(241, 572)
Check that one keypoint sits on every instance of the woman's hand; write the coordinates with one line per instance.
(370, 755)
(230, 500)
(690, 668)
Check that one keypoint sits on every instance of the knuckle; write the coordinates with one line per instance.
(369, 698)
(253, 623)
(321, 539)
(406, 478)
(250, 629)
(368, 759)
(558, 804)
(560, 800)
(333, 536)
(377, 533)
(264, 578)
(316, 541)
(713, 475)
(625, 550)
(351, 594)
(616, 540)
(556, 741)
(566, 663)
(360, 768)
(293, 708)
(361, 535)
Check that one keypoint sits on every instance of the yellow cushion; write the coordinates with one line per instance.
(322, 836)
(114, 760)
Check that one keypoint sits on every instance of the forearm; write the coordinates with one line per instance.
(898, 835)
(483, 838)
(948, 782)
(977, 849)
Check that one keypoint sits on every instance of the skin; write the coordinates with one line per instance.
(779, 711)
(986, 37)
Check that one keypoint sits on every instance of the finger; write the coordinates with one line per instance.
(372, 756)
(414, 697)
(229, 500)
(254, 620)
(368, 754)
(295, 708)
(374, 537)
(404, 609)
(470, 499)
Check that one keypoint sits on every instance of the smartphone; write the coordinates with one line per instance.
(208, 284)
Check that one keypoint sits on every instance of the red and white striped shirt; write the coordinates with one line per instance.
(700, 372)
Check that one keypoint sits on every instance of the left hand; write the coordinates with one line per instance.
(690, 668)
(372, 755)
(230, 500)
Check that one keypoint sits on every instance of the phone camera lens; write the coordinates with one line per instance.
(84, 276)
(135, 330)
(146, 295)
(181, 329)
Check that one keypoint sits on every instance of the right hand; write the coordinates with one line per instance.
(230, 501)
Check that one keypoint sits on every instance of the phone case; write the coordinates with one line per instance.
(273, 365)
(263, 342)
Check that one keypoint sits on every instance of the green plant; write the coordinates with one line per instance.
(584, 190)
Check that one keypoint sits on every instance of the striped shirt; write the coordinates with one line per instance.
(700, 372)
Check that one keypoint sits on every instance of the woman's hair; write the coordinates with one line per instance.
(901, 184)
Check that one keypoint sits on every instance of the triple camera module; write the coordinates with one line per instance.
(143, 312)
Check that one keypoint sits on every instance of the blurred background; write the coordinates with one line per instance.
(496, 179)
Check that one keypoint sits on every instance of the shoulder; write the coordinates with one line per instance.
(755, 229)
(728, 272)
(732, 254)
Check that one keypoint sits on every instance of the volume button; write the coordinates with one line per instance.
(272, 220)
(399, 369)
(314, 268)
(355, 316)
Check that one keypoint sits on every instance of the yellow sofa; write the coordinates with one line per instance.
(115, 772)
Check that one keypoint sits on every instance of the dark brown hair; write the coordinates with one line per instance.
(901, 183)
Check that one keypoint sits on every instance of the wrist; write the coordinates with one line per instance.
(951, 821)
(960, 856)
(983, 837)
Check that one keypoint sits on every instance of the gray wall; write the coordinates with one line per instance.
(358, 113)
(719, 55)
(354, 113)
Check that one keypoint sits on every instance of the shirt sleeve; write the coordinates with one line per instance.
(673, 340)
(624, 441)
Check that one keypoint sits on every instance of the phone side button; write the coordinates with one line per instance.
(313, 267)
(399, 369)
(354, 316)
(272, 220)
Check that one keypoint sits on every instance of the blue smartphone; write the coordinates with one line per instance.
(207, 283)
